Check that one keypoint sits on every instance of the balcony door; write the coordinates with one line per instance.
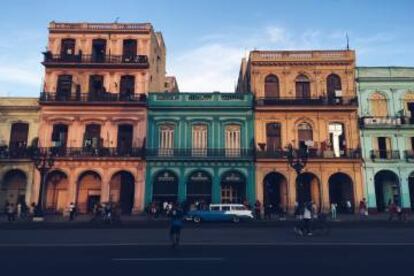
(92, 138)
(232, 140)
(129, 50)
(333, 86)
(199, 139)
(302, 87)
(271, 87)
(337, 139)
(59, 135)
(127, 87)
(64, 87)
(305, 135)
(96, 85)
(18, 136)
(273, 137)
(98, 50)
(384, 147)
(125, 136)
(166, 140)
(410, 107)
(67, 48)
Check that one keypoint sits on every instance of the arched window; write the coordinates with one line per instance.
(271, 87)
(302, 87)
(232, 140)
(273, 136)
(378, 103)
(199, 140)
(333, 85)
(92, 138)
(305, 134)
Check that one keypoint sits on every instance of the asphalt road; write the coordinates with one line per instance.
(206, 251)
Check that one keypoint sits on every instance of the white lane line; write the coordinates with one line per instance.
(164, 244)
(206, 259)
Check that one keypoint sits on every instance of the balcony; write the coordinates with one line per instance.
(91, 61)
(92, 98)
(312, 154)
(7, 153)
(199, 154)
(384, 155)
(317, 102)
(87, 153)
(409, 155)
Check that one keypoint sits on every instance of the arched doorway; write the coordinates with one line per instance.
(13, 188)
(387, 189)
(165, 187)
(340, 191)
(89, 191)
(122, 191)
(308, 189)
(233, 187)
(199, 187)
(411, 188)
(56, 199)
(275, 191)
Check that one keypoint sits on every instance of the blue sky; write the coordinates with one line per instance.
(206, 39)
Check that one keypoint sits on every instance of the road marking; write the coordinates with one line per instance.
(184, 244)
(205, 259)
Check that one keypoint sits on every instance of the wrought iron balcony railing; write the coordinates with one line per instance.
(199, 154)
(15, 153)
(409, 155)
(312, 154)
(91, 152)
(385, 154)
(386, 122)
(321, 101)
(46, 97)
(89, 60)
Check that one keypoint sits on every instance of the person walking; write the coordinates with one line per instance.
(72, 211)
(10, 212)
(333, 211)
(363, 212)
(176, 224)
(307, 217)
(257, 209)
(19, 210)
(392, 210)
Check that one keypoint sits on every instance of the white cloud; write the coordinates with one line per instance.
(25, 76)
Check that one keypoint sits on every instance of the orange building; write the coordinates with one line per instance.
(306, 106)
(93, 115)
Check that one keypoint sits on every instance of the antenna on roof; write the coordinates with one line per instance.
(116, 20)
(347, 41)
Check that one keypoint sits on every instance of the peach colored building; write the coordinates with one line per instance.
(305, 100)
(93, 114)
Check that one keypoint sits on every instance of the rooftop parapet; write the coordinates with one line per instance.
(99, 27)
(302, 56)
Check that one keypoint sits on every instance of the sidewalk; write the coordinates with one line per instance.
(143, 221)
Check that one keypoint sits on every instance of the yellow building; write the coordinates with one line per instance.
(305, 101)
(18, 131)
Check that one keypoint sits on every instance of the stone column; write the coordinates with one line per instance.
(292, 191)
(325, 205)
(216, 189)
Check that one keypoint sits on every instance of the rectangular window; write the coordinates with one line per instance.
(199, 141)
(166, 141)
(232, 140)
(384, 147)
(273, 137)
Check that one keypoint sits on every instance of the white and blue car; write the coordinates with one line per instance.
(221, 212)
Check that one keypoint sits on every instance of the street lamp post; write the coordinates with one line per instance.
(43, 161)
(298, 160)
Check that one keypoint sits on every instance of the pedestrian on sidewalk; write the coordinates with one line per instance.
(72, 211)
(363, 211)
(333, 211)
(257, 209)
(348, 207)
(19, 210)
(392, 210)
(10, 212)
(307, 217)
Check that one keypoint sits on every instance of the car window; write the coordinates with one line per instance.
(238, 208)
(225, 208)
(215, 208)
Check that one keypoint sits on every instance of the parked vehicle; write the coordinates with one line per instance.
(221, 212)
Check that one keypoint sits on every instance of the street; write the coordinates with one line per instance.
(206, 251)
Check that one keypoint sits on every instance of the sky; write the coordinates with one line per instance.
(206, 39)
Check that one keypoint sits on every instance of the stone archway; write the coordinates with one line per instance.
(165, 187)
(275, 191)
(13, 187)
(308, 189)
(411, 189)
(89, 191)
(199, 187)
(56, 199)
(233, 187)
(122, 191)
(341, 191)
(387, 189)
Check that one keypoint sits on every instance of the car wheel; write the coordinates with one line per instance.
(236, 219)
(197, 219)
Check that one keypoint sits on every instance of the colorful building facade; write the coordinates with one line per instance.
(386, 97)
(199, 148)
(19, 121)
(93, 112)
(305, 101)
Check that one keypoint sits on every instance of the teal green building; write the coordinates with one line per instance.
(200, 148)
(386, 109)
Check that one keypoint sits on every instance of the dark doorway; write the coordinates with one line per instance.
(233, 187)
(333, 86)
(305, 135)
(308, 189)
(302, 87)
(387, 189)
(92, 138)
(410, 107)
(13, 188)
(96, 86)
(129, 50)
(273, 137)
(411, 188)
(18, 136)
(199, 188)
(59, 138)
(275, 191)
(165, 187)
(98, 50)
(125, 135)
(67, 49)
(341, 191)
(271, 87)
(123, 191)
(64, 87)
(127, 87)
(383, 147)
